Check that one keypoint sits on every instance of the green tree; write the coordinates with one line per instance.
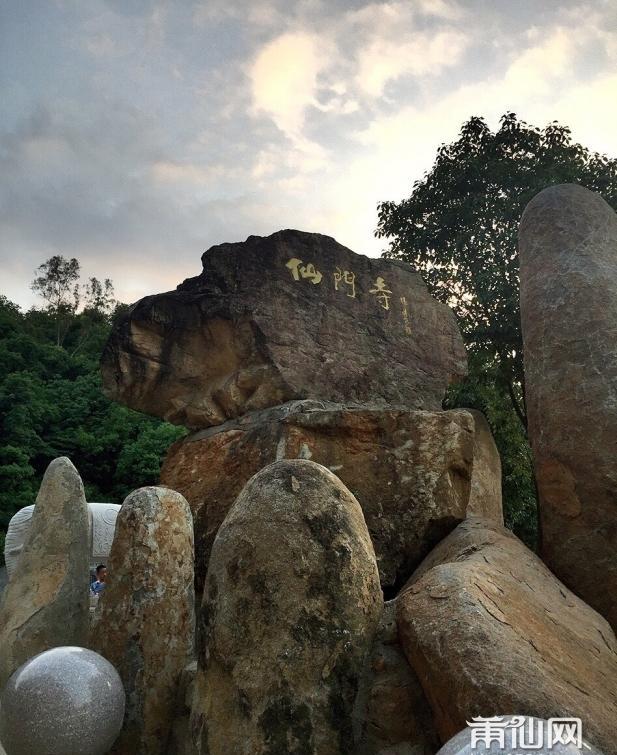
(51, 404)
(57, 283)
(459, 229)
(99, 297)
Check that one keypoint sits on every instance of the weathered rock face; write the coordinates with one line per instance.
(45, 604)
(291, 316)
(416, 474)
(180, 740)
(398, 719)
(489, 630)
(291, 606)
(485, 494)
(146, 622)
(568, 250)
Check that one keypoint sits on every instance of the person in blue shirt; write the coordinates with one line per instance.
(100, 582)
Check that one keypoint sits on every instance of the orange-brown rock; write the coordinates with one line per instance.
(568, 251)
(397, 716)
(489, 630)
(290, 316)
(416, 474)
(145, 626)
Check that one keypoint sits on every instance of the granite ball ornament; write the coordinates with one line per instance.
(518, 735)
(64, 701)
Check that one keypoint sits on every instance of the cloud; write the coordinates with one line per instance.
(423, 55)
(100, 45)
(141, 132)
(169, 171)
(284, 79)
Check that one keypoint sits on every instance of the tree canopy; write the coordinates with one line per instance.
(459, 228)
(51, 404)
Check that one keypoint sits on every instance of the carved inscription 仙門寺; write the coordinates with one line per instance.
(345, 280)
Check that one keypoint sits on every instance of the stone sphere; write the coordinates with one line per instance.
(537, 728)
(64, 701)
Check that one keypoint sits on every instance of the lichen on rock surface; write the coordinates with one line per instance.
(291, 605)
(45, 604)
(416, 474)
(145, 626)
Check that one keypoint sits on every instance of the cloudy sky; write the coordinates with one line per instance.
(137, 133)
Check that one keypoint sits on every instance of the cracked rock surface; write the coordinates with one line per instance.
(415, 474)
(489, 630)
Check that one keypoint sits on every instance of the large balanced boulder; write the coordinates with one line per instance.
(290, 316)
(45, 604)
(415, 474)
(568, 251)
(145, 626)
(291, 606)
(489, 630)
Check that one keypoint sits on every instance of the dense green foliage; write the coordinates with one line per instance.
(459, 229)
(51, 404)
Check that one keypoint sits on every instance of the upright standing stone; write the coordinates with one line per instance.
(45, 604)
(145, 627)
(290, 609)
(568, 250)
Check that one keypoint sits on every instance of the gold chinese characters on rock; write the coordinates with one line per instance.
(299, 270)
(382, 292)
(345, 282)
(347, 278)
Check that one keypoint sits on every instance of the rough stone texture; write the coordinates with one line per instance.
(485, 495)
(398, 719)
(146, 623)
(63, 701)
(413, 472)
(489, 630)
(46, 602)
(291, 606)
(181, 739)
(568, 250)
(280, 318)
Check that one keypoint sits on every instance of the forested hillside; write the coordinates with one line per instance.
(51, 404)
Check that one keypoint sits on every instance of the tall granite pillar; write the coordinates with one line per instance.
(45, 604)
(568, 252)
(146, 622)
